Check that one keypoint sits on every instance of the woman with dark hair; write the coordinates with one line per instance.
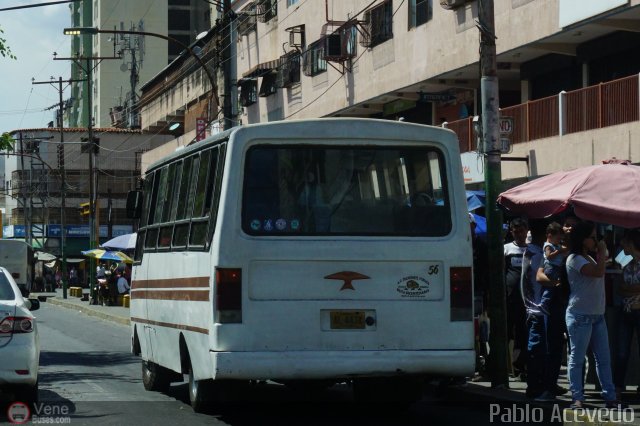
(585, 313)
(630, 315)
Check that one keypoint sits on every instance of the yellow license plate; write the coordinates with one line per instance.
(347, 320)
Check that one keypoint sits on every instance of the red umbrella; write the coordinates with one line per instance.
(607, 193)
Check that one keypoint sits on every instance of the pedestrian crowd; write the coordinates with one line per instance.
(555, 305)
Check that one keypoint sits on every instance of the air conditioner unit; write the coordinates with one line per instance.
(452, 4)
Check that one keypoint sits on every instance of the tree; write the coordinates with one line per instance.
(5, 51)
(6, 142)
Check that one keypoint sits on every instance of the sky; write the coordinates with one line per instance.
(32, 35)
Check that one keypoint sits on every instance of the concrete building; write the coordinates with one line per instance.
(419, 61)
(34, 181)
(127, 60)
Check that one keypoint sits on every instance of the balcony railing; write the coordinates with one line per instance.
(606, 104)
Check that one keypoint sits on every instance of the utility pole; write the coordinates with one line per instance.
(91, 147)
(92, 180)
(25, 216)
(227, 18)
(498, 357)
(63, 177)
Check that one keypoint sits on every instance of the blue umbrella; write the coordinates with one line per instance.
(475, 200)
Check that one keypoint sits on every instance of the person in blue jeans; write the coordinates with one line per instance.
(585, 314)
(630, 315)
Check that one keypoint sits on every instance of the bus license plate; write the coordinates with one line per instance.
(345, 320)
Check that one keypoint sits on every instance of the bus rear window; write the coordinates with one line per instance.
(328, 190)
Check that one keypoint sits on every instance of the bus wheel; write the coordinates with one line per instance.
(199, 393)
(155, 377)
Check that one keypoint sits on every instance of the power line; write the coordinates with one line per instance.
(49, 3)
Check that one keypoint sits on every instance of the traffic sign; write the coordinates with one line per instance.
(506, 125)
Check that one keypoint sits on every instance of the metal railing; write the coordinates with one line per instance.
(605, 104)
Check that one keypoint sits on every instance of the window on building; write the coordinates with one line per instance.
(313, 59)
(291, 2)
(248, 92)
(266, 10)
(420, 11)
(289, 69)
(378, 24)
(268, 86)
(179, 20)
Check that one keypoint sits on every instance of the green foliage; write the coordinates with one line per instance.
(6, 142)
(5, 51)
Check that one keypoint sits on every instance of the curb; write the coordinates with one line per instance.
(90, 312)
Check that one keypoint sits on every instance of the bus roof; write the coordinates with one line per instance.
(370, 126)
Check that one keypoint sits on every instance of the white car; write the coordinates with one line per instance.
(19, 343)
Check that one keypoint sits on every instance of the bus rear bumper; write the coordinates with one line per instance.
(341, 364)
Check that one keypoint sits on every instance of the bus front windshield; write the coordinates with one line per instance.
(352, 190)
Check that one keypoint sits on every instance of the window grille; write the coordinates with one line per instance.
(378, 24)
(420, 11)
(313, 62)
(268, 86)
(266, 10)
(248, 92)
(289, 70)
(246, 20)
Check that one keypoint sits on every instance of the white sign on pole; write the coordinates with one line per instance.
(506, 125)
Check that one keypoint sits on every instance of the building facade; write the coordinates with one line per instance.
(125, 62)
(35, 198)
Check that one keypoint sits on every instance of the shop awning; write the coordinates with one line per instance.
(262, 68)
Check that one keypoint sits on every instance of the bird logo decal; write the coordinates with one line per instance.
(347, 277)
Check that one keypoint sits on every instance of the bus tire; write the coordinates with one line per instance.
(199, 393)
(155, 377)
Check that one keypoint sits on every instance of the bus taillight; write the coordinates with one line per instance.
(461, 294)
(228, 295)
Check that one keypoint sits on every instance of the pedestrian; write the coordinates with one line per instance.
(123, 285)
(73, 276)
(531, 291)
(585, 314)
(630, 315)
(516, 313)
(554, 252)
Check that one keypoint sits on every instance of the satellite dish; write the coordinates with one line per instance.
(202, 34)
(123, 67)
(197, 50)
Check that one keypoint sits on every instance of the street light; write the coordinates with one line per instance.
(94, 30)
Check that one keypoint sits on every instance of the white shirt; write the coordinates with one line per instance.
(123, 285)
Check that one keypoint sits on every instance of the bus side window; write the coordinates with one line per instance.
(206, 180)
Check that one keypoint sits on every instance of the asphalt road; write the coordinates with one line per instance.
(88, 374)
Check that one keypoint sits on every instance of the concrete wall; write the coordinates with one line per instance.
(574, 150)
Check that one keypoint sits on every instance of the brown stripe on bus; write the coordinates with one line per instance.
(171, 325)
(192, 295)
(172, 283)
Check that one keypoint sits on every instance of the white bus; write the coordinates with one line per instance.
(305, 252)
(17, 257)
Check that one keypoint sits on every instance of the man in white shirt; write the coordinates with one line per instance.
(123, 285)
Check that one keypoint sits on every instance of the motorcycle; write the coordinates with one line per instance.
(101, 295)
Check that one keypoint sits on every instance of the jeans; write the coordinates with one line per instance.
(582, 330)
(629, 322)
(536, 354)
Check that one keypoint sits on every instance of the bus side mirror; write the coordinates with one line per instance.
(134, 204)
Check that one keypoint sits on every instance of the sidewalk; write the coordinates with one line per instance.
(116, 314)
